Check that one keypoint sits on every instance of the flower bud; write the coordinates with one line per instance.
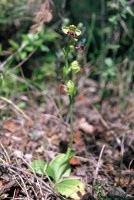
(66, 21)
(80, 25)
(71, 47)
(75, 66)
(71, 88)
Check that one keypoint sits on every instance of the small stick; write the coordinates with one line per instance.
(7, 187)
(98, 165)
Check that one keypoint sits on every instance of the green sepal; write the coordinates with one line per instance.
(66, 71)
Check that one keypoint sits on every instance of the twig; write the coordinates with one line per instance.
(7, 187)
(55, 106)
(124, 26)
(24, 186)
(6, 154)
(130, 2)
(34, 174)
(101, 118)
(98, 165)
(47, 188)
(18, 109)
(23, 61)
(21, 80)
(14, 54)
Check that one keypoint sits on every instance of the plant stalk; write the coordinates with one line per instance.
(71, 123)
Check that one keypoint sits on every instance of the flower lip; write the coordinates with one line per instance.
(72, 34)
(63, 88)
(71, 31)
(80, 48)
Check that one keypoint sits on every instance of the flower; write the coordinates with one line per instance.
(71, 31)
(80, 48)
(71, 47)
(75, 66)
(63, 88)
(71, 90)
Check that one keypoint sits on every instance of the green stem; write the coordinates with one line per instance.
(71, 99)
(71, 123)
(67, 52)
(66, 60)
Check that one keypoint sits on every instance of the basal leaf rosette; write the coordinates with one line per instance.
(71, 31)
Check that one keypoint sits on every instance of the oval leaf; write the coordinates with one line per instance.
(38, 166)
(72, 188)
(60, 166)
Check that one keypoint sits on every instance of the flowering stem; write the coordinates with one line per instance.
(72, 32)
(71, 99)
(71, 123)
(66, 60)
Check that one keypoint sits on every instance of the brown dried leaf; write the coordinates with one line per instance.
(10, 126)
(85, 126)
(44, 15)
(78, 139)
(75, 161)
(124, 181)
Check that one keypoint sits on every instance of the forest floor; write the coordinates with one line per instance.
(103, 142)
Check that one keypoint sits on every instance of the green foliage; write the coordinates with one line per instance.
(12, 10)
(70, 188)
(39, 166)
(59, 166)
(58, 170)
(30, 43)
(99, 190)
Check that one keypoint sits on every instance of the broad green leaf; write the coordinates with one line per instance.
(129, 11)
(38, 166)
(113, 19)
(59, 166)
(113, 46)
(29, 48)
(44, 48)
(23, 54)
(14, 44)
(123, 2)
(21, 105)
(108, 62)
(50, 36)
(71, 188)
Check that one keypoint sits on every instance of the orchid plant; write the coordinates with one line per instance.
(59, 169)
(72, 33)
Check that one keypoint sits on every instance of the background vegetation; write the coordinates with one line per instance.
(107, 35)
